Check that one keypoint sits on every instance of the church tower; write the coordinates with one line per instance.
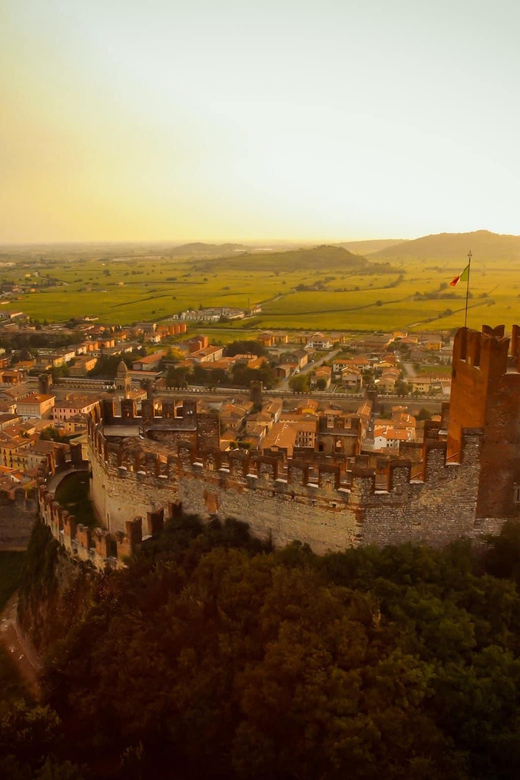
(123, 381)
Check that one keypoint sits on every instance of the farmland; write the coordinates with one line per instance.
(316, 288)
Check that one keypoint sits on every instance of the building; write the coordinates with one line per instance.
(149, 362)
(82, 365)
(35, 405)
(320, 342)
(63, 411)
(123, 379)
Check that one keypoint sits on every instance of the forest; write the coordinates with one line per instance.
(214, 655)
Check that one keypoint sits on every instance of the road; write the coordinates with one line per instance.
(284, 386)
(409, 370)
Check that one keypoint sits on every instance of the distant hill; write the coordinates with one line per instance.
(368, 247)
(316, 258)
(448, 247)
(200, 249)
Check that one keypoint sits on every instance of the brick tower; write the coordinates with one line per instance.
(485, 393)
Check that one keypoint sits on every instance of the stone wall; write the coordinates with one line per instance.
(18, 511)
(97, 545)
(326, 506)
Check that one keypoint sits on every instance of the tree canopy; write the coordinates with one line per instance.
(217, 655)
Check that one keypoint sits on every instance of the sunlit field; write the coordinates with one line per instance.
(410, 295)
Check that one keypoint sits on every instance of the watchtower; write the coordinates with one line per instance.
(485, 393)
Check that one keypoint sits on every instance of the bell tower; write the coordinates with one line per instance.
(123, 380)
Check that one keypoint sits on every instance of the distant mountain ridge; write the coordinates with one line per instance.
(370, 246)
(484, 245)
(206, 250)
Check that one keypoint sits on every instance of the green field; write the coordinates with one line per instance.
(122, 290)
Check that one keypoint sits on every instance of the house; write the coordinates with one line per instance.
(352, 379)
(338, 364)
(36, 405)
(76, 405)
(11, 376)
(299, 356)
(82, 365)
(389, 437)
(420, 384)
(320, 342)
(233, 415)
(324, 373)
(207, 355)
(281, 438)
(149, 362)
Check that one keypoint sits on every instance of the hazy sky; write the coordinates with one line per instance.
(241, 119)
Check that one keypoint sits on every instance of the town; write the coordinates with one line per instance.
(278, 391)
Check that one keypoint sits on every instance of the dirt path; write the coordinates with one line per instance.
(19, 648)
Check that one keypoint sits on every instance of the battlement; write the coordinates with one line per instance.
(435, 492)
(485, 393)
(96, 545)
(486, 351)
(210, 482)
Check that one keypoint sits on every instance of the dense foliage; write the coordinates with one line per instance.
(252, 347)
(214, 656)
(29, 733)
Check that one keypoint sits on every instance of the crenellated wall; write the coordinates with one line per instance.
(99, 546)
(323, 504)
(434, 493)
(17, 514)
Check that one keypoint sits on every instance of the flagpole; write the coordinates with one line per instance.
(467, 289)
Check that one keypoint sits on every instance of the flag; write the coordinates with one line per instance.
(463, 277)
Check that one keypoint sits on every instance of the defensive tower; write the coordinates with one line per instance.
(485, 394)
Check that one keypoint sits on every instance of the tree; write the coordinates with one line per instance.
(245, 348)
(402, 388)
(321, 383)
(177, 376)
(299, 383)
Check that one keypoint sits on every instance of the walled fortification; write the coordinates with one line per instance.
(18, 510)
(145, 466)
(486, 394)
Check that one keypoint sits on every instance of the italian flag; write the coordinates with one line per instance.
(463, 277)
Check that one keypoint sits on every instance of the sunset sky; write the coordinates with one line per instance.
(321, 120)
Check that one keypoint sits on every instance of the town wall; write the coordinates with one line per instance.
(326, 506)
(97, 545)
(18, 510)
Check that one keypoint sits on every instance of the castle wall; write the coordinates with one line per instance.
(435, 510)
(17, 514)
(318, 504)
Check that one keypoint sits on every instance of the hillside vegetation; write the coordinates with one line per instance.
(214, 656)
(319, 257)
